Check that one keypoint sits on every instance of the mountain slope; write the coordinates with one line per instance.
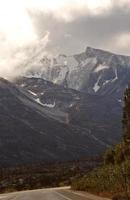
(88, 113)
(29, 134)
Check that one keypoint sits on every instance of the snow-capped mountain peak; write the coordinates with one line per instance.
(94, 71)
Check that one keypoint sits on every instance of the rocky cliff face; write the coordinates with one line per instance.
(93, 71)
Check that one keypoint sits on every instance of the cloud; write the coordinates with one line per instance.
(15, 23)
(19, 42)
(121, 41)
(31, 28)
(15, 61)
(86, 30)
(68, 10)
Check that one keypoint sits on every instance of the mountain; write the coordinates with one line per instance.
(31, 133)
(91, 114)
(94, 71)
(66, 108)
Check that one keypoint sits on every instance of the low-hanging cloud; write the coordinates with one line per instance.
(16, 60)
(104, 30)
(30, 29)
(19, 42)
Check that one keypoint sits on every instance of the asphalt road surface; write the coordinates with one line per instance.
(49, 194)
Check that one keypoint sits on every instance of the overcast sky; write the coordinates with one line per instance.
(60, 26)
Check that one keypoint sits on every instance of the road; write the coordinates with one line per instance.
(49, 194)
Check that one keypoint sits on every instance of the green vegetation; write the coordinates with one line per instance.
(113, 177)
(42, 175)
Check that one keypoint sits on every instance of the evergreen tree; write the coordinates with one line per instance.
(126, 121)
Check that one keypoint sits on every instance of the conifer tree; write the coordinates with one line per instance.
(126, 121)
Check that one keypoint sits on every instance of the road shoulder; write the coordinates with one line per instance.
(84, 195)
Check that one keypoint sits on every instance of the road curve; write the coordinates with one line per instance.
(49, 194)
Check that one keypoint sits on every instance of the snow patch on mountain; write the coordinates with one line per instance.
(46, 105)
(101, 67)
(119, 100)
(38, 101)
(42, 93)
(22, 85)
(88, 61)
(116, 76)
(34, 94)
(97, 86)
(50, 105)
(106, 82)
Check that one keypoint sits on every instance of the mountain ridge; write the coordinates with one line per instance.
(94, 71)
